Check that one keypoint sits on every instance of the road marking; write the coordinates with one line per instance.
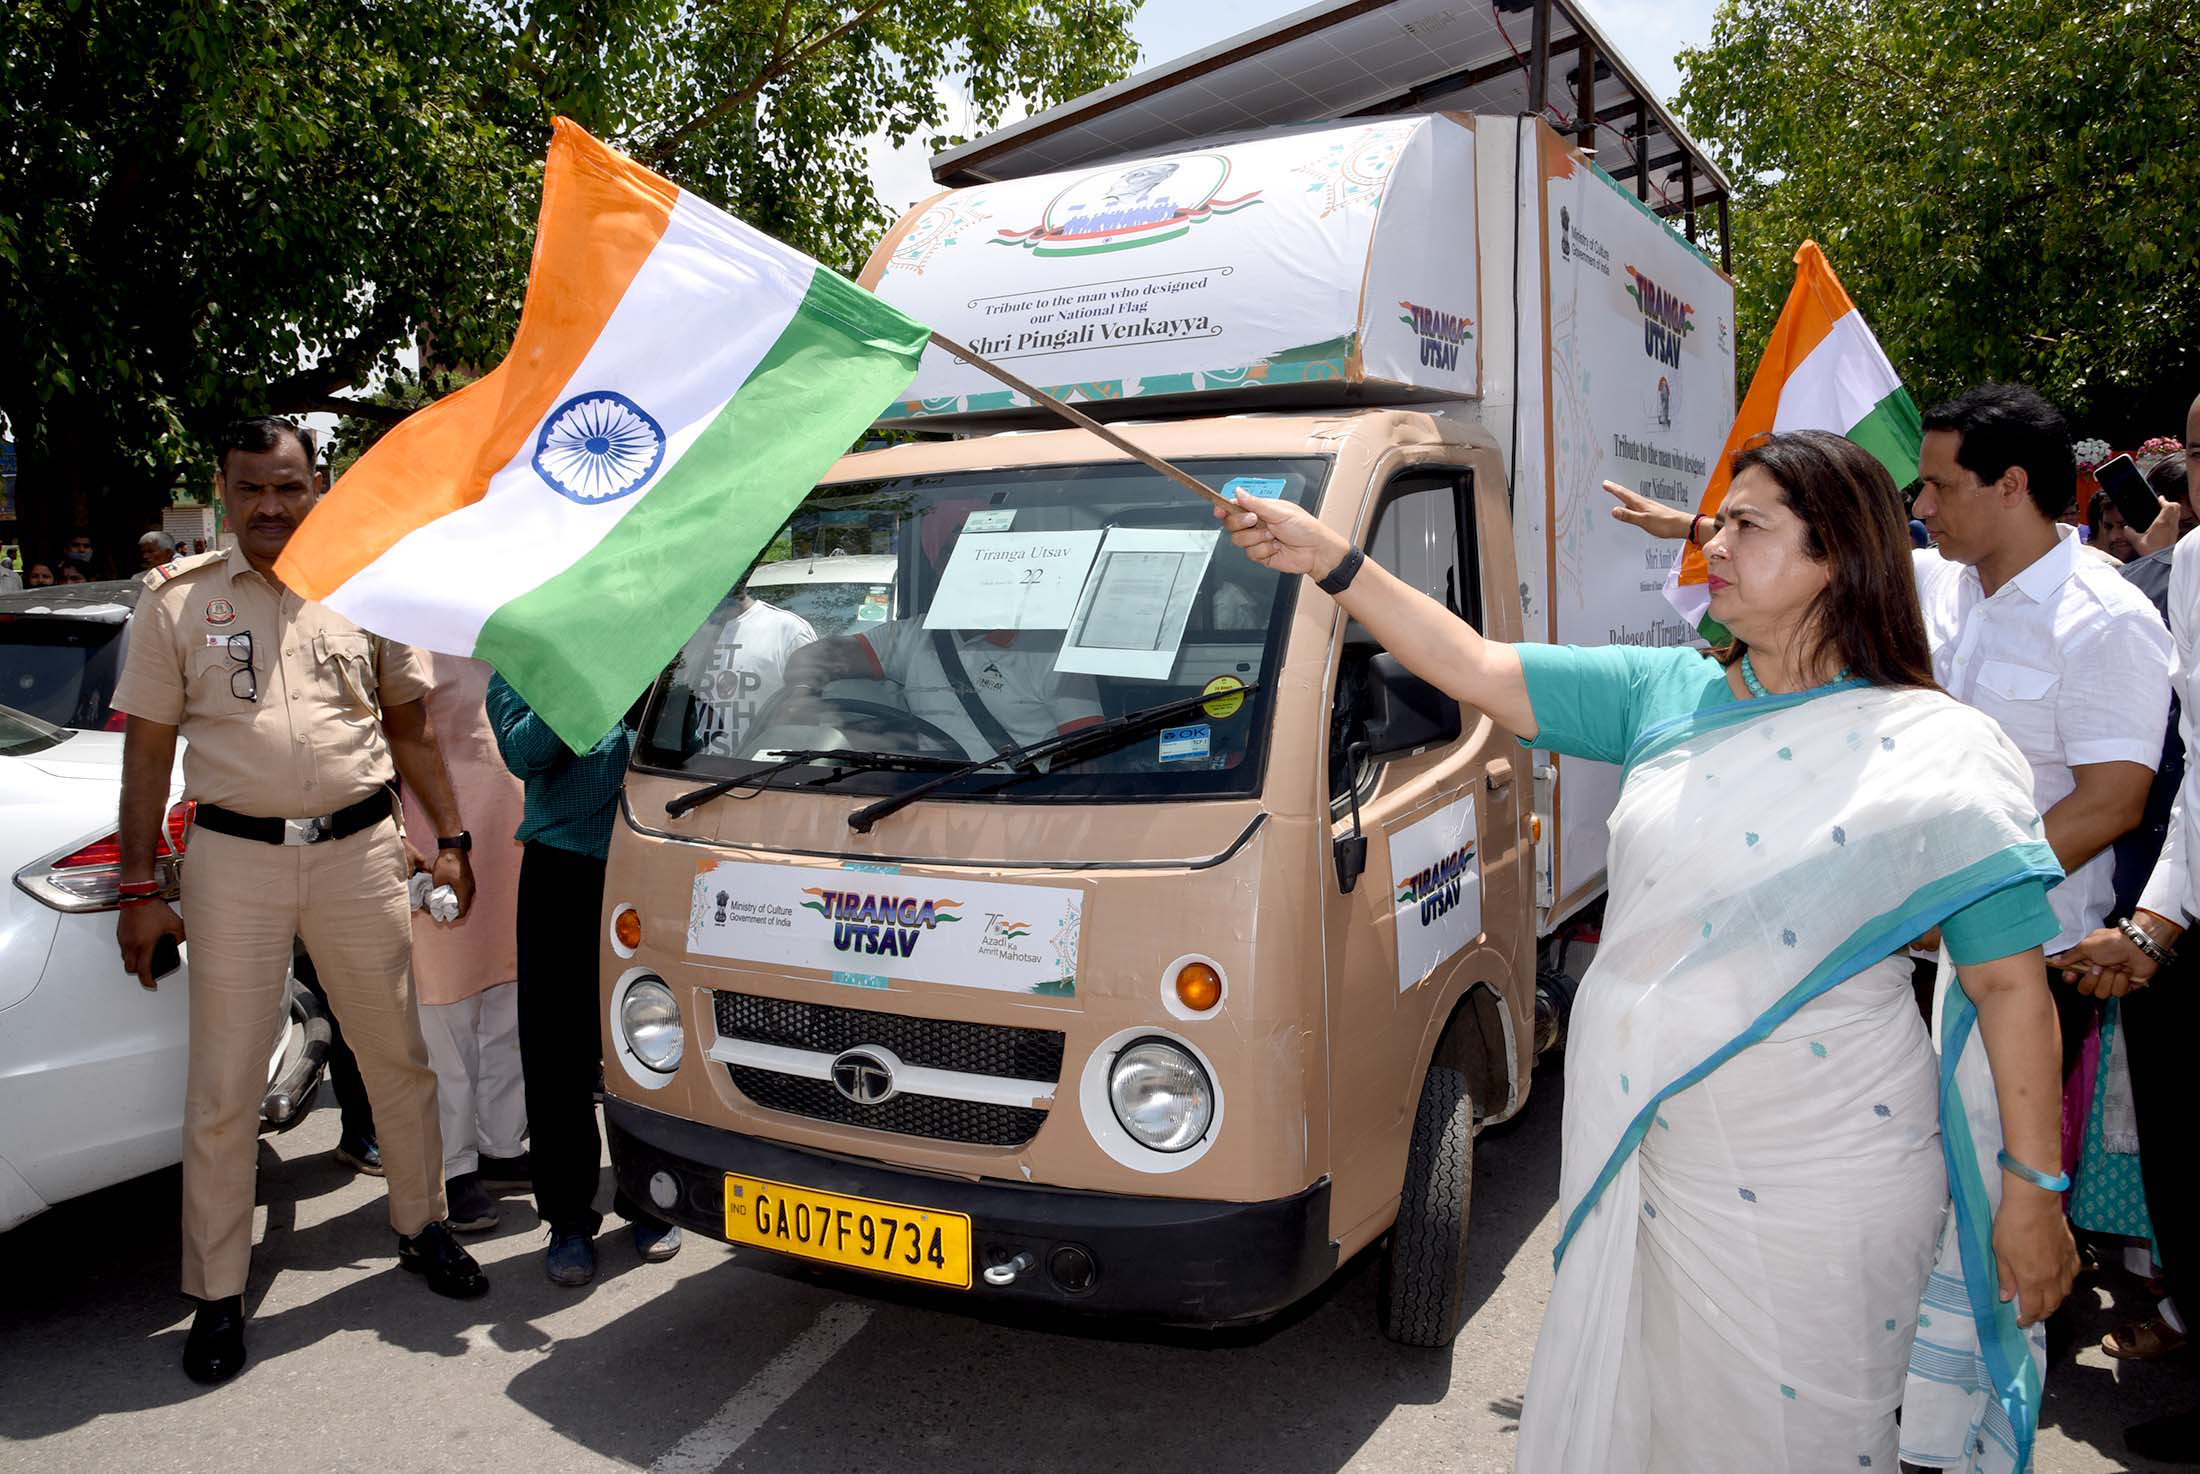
(742, 1414)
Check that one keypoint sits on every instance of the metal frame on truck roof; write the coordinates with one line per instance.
(1359, 58)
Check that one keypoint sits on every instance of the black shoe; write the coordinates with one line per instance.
(2171, 1440)
(470, 1209)
(503, 1174)
(360, 1156)
(450, 1269)
(214, 1351)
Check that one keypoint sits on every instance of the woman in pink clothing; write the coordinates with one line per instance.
(464, 971)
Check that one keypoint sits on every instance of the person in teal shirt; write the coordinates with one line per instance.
(572, 800)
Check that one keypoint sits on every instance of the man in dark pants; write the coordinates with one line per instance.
(355, 1143)
(571, 802)
(2138, 962)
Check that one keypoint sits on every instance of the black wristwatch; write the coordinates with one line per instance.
(1340, 577)
(461, 841)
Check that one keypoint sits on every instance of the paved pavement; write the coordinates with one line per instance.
(708, 1363)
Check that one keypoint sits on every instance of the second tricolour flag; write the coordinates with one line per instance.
(1822, 370)
(678, 383)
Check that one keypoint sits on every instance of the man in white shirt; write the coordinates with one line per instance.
(2161, 1022)
(2066, 656)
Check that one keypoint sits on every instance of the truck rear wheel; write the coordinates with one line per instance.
(1424, 1279)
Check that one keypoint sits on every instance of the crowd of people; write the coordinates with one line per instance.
(1792, 1239)
(1975, 752)
(80, 561)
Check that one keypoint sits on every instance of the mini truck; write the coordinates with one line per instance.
(1105, 923)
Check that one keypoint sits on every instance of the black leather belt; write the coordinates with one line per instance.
(342, 824)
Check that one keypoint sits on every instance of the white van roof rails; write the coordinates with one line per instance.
(1358, 58)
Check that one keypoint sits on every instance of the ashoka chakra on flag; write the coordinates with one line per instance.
(598, 446)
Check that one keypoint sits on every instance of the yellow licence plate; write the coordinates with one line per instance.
(886, 1238)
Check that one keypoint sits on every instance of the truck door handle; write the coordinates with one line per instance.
(1498, 775)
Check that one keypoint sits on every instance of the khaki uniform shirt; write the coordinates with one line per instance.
(312, 741)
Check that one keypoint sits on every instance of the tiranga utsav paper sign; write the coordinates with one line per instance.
(1342, 254)
(678, 383)
(1822, 370)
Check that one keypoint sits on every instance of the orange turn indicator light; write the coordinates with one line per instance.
(1198, 986)
(626, 927)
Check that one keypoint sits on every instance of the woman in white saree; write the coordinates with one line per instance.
(1762, 1153)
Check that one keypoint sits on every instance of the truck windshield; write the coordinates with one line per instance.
(998, 609)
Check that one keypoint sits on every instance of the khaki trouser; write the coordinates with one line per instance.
(243, 901)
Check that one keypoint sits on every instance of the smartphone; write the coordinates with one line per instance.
(2128, 491)
(167, 957)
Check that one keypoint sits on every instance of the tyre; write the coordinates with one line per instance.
(1424, 1275)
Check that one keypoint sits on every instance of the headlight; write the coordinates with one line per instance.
(1161, 1095)
(649, 1016)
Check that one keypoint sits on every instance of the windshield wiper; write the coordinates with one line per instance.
(846, 760)
(1099, 738)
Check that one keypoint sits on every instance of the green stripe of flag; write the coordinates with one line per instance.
(1894, 433)
(583, 643)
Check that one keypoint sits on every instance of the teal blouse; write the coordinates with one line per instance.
(1594, 701)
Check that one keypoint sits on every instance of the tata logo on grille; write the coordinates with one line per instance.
(864, 1077)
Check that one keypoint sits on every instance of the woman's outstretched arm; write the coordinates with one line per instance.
(1427, 638)
(2016, 1023)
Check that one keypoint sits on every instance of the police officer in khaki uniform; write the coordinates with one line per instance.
(295, 722)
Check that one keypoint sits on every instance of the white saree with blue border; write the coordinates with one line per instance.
(1761, 1147)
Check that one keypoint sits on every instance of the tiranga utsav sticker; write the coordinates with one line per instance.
(1343, 254)
(678, 383)
(871, 926)
(1436, 889)
(1822, 370)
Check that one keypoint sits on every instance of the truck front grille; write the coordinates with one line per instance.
(939, 1044)
(987, 1052)
(974, 1123)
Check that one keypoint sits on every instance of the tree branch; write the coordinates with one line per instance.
(357, 409)
(775, 67)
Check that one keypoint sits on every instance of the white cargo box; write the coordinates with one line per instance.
(1341, 260)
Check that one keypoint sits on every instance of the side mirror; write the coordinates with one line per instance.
(1406, 715)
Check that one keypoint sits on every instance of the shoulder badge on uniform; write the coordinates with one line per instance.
(155, 577)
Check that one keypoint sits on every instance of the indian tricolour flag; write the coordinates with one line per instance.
(1822, 370)
(678, 383)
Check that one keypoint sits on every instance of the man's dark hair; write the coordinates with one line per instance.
(2004, 425)
(259, 434)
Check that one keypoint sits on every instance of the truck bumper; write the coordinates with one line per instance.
(1177, 1261)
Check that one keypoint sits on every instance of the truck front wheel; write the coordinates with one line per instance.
(1424, 1279)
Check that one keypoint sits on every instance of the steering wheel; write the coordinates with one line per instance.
(896, 726)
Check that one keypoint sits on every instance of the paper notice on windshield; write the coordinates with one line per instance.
(1130, 618)
(1012, 581)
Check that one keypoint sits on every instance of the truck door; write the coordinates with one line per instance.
(1440, 828)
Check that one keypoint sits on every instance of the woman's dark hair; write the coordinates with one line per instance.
(1853, 522)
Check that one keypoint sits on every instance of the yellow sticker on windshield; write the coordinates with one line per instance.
(1228, 693)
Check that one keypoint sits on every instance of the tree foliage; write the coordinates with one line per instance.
(2010, 189)
(217, 207)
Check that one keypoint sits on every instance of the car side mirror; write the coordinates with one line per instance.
(1406, 715)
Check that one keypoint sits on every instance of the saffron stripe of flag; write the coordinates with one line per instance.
(677, 384)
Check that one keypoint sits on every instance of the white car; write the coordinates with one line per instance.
(91, 1064)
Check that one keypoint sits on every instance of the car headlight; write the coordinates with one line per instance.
(1161, 1095)
(649, 1017)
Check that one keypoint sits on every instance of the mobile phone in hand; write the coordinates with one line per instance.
(167, 957)
(2128, 491)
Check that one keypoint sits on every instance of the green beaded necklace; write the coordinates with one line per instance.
(1757, 687)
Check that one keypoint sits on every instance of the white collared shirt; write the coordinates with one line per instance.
(2172, 889)
(2073, 664)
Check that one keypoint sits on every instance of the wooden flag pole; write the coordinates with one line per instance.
(1086, 422)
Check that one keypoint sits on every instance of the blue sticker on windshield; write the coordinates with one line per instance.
(1185, 744)
(1268, 486)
